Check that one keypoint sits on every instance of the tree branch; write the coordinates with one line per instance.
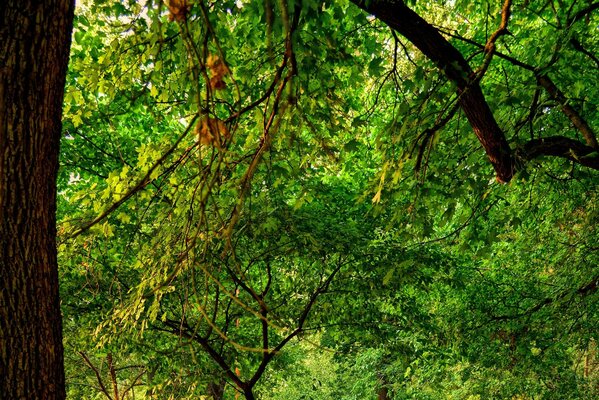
(560, 146)
(582, 13)
(579, 47)
(300, 324)
(585, 290)
(176, 329)
(550, 87)
(143, 182)
(490, 46)
(571, 113)
(452, 63)
(448, 59)
(97, 373)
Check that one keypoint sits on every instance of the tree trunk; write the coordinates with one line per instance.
(382, 392)
(249, 394)
(34, 48)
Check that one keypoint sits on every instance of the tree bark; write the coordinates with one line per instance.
(34, 49)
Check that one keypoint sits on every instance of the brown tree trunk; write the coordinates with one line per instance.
(34, 48)
(382, 392)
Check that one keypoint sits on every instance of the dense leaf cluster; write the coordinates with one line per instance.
(341, 234)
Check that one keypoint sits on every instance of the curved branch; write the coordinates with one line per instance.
(490, 46)
(571, 113)
(452, 63)
(448, 59)
(560, 146)
(583, 13)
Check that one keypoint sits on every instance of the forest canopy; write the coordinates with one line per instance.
(291, 199)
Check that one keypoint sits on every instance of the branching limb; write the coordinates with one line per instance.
(300, 323)
(571, 113)
(134, 382)
(273, 120)
(215, 355)
(490, 46)
(452, 63)
(448, 59)
(579, 47)
(560, 146)
(550, 87)
(97, 373)
(474, 43)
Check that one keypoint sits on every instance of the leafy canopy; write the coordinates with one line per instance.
(255, 192)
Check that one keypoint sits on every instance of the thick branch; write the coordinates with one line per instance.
(449, 60)
(579, 47)
(560, 146)
(583, 13)
(550, 87)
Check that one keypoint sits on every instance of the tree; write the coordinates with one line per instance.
(470, 98)
(34, 50)
(205, 247)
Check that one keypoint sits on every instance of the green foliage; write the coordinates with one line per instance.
(330, 244)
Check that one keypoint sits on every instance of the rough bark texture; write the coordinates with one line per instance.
(34, 48)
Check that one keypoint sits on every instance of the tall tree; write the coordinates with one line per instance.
(34, 50)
